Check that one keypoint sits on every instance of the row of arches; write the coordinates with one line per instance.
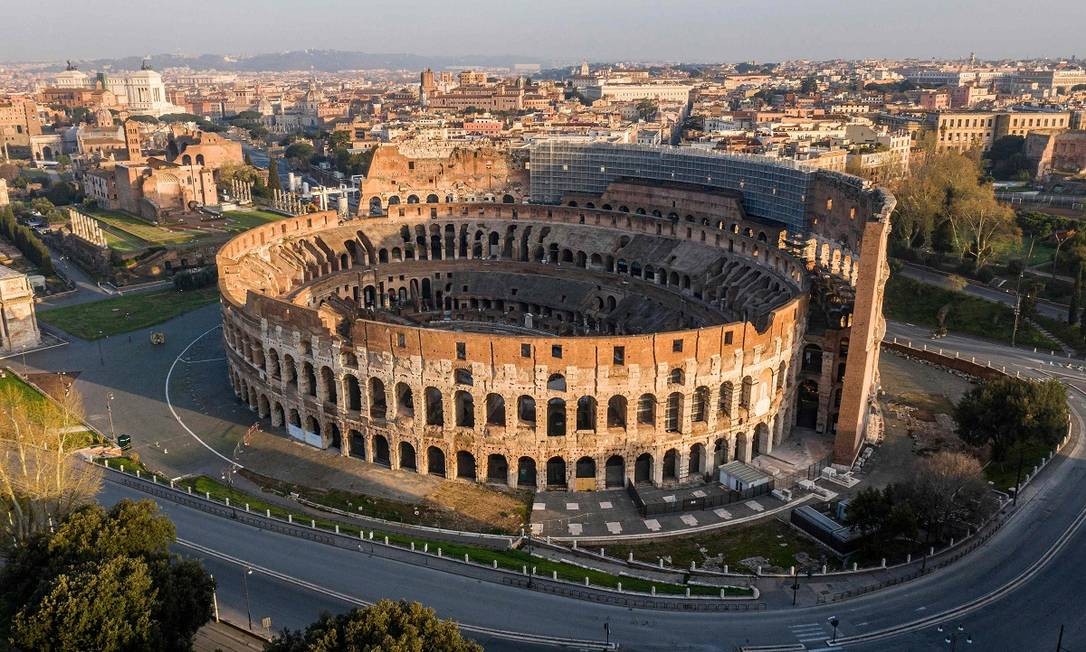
(378, 205)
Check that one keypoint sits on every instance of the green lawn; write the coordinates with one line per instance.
(508, 559)
(247, 219)
(919, 303)
(89, 321)
(14, 383)
(145, 231)
(38, 402)
(775, 541)
(1003, 474)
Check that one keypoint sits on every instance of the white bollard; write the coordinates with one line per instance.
(620, 587)
(495, 563)
(412, 546)
(688, 591)
(227, 501)
(466, 558)
(207, 495)
(853, 567)
(661, 562)
(313, 523)
(884, 562)
(574, 544)
(246, 507)
(337, 528)
(290, 518)
(654, 590)
(908, 559)
(725, 569)
(554, 575)
(721, 593)
(426, 547)
(586, 581)
(439, 552)
(693, 565)
(267, 512)
(823, 569)
(386, 539)
(629, 558)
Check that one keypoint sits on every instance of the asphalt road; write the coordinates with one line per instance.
(1026, 618)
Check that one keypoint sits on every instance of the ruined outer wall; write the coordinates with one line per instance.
(346, 384)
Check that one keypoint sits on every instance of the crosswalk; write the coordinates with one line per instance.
(813, 634)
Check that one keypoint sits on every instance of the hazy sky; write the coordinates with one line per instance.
(569, 30)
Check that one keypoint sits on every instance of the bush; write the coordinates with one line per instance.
(985, 274)
(195, 279)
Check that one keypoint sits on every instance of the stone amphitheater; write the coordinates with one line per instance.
(603, 328)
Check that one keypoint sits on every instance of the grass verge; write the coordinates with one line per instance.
(513, 560)
(247, 219)
(1003, 474)
(919, 303)
(90, 321)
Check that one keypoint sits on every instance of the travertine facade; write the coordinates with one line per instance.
(557, 345)
(18, 326)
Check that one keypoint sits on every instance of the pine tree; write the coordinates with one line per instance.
(1076, 294)
(273, 175)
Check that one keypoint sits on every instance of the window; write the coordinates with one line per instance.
(728, 337)
(525, 350)
(677, 346)
(401, 339)
(620, 355)
(556, 351)
(461, 351)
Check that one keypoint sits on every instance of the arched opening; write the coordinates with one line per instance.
(762, 443)
(556, 418)
(526, 410)
(699, 411)
(380, 451)
(726, 400)
(435, 461)
(615, 472)
(673, 415)
(354, 393)
(412, 199)
(378, 405)
(720, 453)
(405, 403)
(671, 464)
(328, 379)
(616, 412)
(435, 414)
(465, 409)
(407, 456)
(586, 413)
(556, 383)
(643, 469)
(526, 475)
(309, 377)
(585, 470)
(357, 444)
(375, 206)
(431, 198)
(335, 436)
(495, 410)
(465, 465)
(646, 409)
(463, 377)
(556, 473)
(497, 469)
(697, 454)
(807, 404)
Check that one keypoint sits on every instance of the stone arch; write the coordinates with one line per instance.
(586, 413)
(309, 379)
(643, 469)
(556, 473)
(407, 456)
(812, 359)
(699, 408)
(526, 472)
(585, 468)
(464, 404)
(616, 412)
(328, 382)
(807, 400)
(378, 400)
(435, 410)
(354, 393)
(495, 410)
(614, 472)
(431, 198)
(556, 417)
(435, 461)
(673, 414)
(497, 469)
(646, 409)
(405, 402)
(465, 465)
(526, 410)
(671, 465)
(356, 443)
(381, 453)
(696, 459)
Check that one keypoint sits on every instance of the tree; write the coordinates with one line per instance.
(273, 175)
(948, 487)
(299, 151)
(646, 109)
(808, 85)
(104, 581)
(1003, 412)
(1007, 157)
(1076, 296)
(388, 626)
(41, 479)
(883, 517)
(987, 227)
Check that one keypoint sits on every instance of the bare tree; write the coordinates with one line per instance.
(950, 488)
(41, 478)
(985, 226)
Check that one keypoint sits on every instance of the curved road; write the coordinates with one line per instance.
(293, 577)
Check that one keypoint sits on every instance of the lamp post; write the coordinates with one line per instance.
(101, 358)
(957, 634)
(245, 590)
(109, 411)
(834, 621)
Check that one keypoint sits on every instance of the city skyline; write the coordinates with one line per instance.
(690, 31)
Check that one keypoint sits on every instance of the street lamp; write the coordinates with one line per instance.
(834, 621)
(101, 358)
(952, 638)
(109, 411)
(245, 590)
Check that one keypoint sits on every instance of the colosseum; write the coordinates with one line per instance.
(594, 315)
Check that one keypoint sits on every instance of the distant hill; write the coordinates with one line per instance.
(321, 60)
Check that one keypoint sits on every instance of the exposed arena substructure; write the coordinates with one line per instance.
(646, 332)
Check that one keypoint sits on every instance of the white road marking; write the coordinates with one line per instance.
(572, 507)
(176, 416)
(539, 507)
(754, 506)
(652, 524)
(689, 519)
(723, 513)
(575, 529)
(614, 527)
(606, 504)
